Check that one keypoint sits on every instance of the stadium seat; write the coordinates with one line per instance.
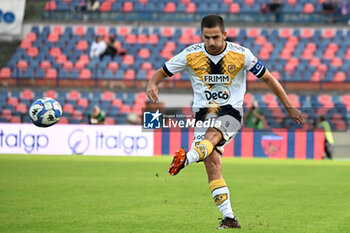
(51, 73)
(309, 8)
(191, 8)
(128, 6)
(108, 95)
(5, 73)
(85, 74)
(27, 94)
(22, 65)
(234, 8)
(50, 6)
(51, 94)
(170, 7)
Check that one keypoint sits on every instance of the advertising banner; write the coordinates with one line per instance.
(113, 140)
(249, 143)
(11, 16)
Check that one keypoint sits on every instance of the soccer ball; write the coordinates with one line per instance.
(45, 112)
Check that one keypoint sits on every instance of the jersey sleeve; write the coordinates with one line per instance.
(254, 65)
(175, 65)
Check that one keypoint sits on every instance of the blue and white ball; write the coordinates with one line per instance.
(45, 112)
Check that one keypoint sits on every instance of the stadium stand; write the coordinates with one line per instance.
(239, 10)
(78, 104)
(61, 52)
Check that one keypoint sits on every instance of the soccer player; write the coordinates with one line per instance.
(218, 71)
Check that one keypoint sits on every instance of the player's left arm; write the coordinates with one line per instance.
(275, 86)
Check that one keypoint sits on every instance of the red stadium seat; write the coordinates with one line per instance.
(128, 59)
(108, 95)
(22, 65)
(6, 113)
(143, 2)
(129, 74)
(276, 74)
(31, 37)
(45, 65)
(144, 53)
(77, 114)
(79, 65)
(142, 39)
(309, 8)
(15, 119)
(79, 30)
(105, 6)
(146, 66)
(228, 2)
(63, 121)
(5, 73)
(260, 40)
(328, 33)
(21, 108)
(125, 109)
(61, 58)
(292, 2)
(51, 74)
(337, 62)
(153, 39)
(249, 2)
(307, 33)
(25, 44)
(85, 74)
(131, 39)
(51, 94)
(101, 30)
(32, 51)
(235, 8)
(170, 7)
(109, 121)
(83, 102)
(167, 32)
(315, 62)
(113, 66)
(13, 101)
(191, 8)
(50, 6)
(53, 37)
(232, 32)
(123, 31)
(128, 6)
(54, 52)
(117, 103)
(339, 77)
(82, 45)
(73, 95)
(57, 29)
(68, 66)
(285, 33)
(27, 94)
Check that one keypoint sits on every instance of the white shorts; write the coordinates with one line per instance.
(228, 121)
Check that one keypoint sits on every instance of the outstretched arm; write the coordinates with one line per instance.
(152, 87)
(276, 87)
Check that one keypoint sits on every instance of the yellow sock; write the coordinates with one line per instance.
(204, 149)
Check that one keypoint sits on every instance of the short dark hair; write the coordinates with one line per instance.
(212, 21)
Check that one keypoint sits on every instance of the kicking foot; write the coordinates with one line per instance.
(229, 223)
(178, 162)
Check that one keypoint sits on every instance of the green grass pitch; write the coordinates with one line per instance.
(135, 194)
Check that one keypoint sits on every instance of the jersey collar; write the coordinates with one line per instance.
(215, 54)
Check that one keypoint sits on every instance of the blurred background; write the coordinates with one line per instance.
(88, 53)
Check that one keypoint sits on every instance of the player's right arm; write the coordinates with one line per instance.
(152, 87)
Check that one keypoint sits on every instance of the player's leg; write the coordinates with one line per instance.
(199, 151)
(219, 190)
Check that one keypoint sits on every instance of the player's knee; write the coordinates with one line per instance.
(213, 135)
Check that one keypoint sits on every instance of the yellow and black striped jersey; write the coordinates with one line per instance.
(217, 79)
